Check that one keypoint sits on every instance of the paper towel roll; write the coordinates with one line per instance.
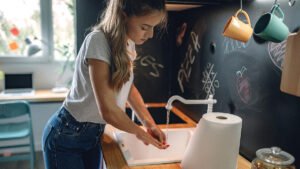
(215, 143)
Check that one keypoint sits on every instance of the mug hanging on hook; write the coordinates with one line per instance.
(237, 29)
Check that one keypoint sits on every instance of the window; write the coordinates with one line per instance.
(64, 29)
(36, 30)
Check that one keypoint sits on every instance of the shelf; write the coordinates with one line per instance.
(181, 7)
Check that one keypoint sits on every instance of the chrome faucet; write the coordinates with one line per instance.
(210, 101)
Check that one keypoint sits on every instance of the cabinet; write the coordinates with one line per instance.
(41, 112)
(179, 5)
(198, 2)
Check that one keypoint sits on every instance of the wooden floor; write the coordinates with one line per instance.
(39, 163)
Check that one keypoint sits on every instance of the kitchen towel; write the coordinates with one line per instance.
(215, 143)
(290, 79)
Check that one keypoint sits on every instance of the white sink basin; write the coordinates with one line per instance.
(136, 152)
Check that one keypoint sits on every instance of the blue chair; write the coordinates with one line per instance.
(16, 132)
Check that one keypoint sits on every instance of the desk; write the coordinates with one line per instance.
(38, 96)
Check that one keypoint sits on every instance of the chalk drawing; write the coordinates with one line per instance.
(195, 40)
(277, 52)
(210, 83)
(231, 45)
(185, 70)
(243, 85)
(150, 61)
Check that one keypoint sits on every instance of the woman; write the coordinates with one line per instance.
(102, 84)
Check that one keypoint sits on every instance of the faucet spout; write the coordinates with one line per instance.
(210, 101)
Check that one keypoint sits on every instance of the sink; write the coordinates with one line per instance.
(159, 114)
(137, 153)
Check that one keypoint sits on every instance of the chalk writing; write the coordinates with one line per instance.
(150, 61)
(195, 40)
(231, 45)
(243, 86)
(210, 83)
(185, 70)
(277, 52)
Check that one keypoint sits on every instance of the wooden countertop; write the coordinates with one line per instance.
(113, 155)
(38, 96)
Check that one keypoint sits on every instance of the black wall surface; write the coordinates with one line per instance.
(87, 14)
(243, 77)
(152, 71)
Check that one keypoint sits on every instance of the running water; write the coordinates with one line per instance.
(167, 124)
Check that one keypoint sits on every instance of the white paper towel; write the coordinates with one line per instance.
(215, 143)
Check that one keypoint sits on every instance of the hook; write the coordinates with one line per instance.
(241, 3)
(292, 3)
(276, 2)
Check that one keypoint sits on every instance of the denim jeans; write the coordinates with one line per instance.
(69, 144)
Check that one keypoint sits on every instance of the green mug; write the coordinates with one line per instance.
(270, 26)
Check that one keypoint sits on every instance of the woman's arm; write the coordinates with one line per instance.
(137, 104)
(99, 72)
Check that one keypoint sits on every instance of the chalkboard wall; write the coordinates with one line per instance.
(152, 71)
(243, 77)
(87, 14)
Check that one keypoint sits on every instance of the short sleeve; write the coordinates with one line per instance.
(96, 47)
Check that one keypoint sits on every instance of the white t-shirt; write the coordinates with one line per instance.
(80, 101)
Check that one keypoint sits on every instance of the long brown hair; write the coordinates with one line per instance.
(113, 24)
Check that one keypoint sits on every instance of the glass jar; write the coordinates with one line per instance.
(272, 158)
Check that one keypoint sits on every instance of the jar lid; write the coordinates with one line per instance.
(275, 155)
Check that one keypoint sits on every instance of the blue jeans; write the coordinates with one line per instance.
(69, 144)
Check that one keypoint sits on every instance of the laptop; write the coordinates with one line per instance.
(18, 84)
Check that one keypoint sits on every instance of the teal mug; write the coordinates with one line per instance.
(270, 26)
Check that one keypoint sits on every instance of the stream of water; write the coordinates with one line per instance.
(167, 124)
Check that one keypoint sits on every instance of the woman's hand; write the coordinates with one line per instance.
(155, 131)
(149, 139)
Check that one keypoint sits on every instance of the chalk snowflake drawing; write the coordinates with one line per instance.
(277, 52)
(210, 83)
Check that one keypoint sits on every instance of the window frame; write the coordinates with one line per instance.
(46, 38)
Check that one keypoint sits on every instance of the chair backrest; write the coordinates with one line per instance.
(14, 109)
(15, 127)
